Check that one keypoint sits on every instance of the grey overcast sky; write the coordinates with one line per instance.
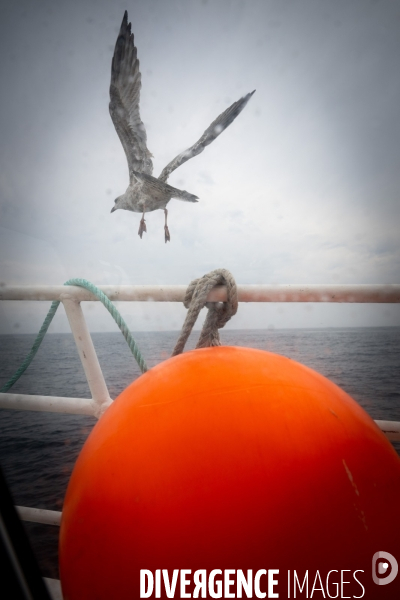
(304, 187)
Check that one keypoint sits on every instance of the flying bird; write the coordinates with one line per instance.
(146, 193)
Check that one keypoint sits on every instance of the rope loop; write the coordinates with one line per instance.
(218, 314)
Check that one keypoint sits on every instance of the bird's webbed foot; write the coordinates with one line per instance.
(142, 227)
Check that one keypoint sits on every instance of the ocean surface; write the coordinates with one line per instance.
(38, 450)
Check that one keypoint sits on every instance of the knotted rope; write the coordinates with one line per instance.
(218, 314)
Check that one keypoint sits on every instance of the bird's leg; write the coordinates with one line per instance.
(142, 226)
(166, 230)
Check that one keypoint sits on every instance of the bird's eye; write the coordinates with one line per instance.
(115, 201)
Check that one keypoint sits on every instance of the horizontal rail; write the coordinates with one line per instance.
(361, 293)
(84, 406)
(39, 515)
(391, 429)
(53, 517)
(58, 404)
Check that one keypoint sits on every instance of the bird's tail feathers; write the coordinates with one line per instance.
(184, 195)
(157, 186)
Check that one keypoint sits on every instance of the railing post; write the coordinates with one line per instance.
(87, 354)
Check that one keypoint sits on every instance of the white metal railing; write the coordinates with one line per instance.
(39, 515)
(72, 296)
(375, 293)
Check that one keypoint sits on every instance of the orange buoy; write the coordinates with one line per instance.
(231, 459)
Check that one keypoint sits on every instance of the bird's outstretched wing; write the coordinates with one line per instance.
(208, 136)
(124, 101)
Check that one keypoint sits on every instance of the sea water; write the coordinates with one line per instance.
(38, 450)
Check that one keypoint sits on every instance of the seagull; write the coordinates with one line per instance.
(146, 193)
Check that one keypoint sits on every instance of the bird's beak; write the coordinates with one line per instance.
(113, 208)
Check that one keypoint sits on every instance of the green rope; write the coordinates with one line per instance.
(115, 315)
(49, 317)
(35, 347)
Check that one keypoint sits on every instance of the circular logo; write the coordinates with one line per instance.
(384, 568)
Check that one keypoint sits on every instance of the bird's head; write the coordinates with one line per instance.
(118, 203)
